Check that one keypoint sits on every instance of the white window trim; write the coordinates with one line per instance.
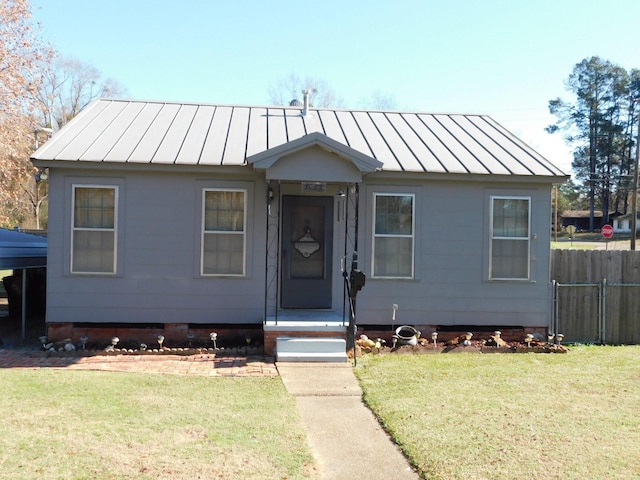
(114, 229)
(243, 233)
(524, 239)
(412, 236)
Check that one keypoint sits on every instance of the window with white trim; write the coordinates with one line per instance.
(510, 238)
(93, 234)
(223, 232)
(393, 235)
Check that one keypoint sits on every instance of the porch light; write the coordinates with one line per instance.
(341, 197)
(41, 175)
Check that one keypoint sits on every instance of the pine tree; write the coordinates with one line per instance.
(598, 125)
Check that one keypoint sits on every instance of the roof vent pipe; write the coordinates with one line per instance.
(305, 105)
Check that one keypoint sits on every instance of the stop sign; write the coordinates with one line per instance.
(607, 231)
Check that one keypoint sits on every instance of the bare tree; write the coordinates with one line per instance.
(379, 101)
(290, 88)
(68, 87)
(38, 90)
(21, 57)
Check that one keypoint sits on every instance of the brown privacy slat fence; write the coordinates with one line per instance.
(596, 295)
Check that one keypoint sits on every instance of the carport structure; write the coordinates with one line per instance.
(21, 251)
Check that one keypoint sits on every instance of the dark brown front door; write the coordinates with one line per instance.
(307, 253)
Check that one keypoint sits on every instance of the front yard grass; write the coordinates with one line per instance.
(511, 416)
(107, 425)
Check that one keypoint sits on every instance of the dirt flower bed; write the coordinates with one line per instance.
(461, 344)
(66, 348)
(475, 347)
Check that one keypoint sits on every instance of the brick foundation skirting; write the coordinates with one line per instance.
(509, 334)
(176, 334)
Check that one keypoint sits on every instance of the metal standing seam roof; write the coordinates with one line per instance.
(149, 132)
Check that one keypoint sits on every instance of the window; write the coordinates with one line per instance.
(93, 236)
(393, 236)
(223, 232)
(510, 225)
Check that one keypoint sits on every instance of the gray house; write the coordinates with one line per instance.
(188, 218)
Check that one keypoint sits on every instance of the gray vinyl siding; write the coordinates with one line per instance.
(451, 284)
(159, 231)
(157, 280)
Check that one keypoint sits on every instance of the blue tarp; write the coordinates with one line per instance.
(21, 250)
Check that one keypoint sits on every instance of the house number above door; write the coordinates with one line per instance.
(314, 187)
(307, 245)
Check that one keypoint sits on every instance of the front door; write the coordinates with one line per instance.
(307, 253)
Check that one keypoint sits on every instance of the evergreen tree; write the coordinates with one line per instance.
(599, 125)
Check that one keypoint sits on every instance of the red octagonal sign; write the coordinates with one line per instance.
(607, 231)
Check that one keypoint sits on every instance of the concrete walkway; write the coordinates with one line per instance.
(344, 435)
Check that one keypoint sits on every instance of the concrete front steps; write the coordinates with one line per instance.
(306, 336)
(310, 349)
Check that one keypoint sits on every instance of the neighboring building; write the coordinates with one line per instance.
(622, 223)
(581, 218)
(184, 217)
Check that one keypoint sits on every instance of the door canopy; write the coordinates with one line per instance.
(314, 158)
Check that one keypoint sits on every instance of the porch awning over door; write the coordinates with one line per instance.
(314, 158)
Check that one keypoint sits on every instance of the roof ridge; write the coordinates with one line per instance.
(288, 107)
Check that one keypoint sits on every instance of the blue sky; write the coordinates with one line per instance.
(505, 58)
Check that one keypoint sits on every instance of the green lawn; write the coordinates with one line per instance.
(106, 425)
(456, 416)
(512, 416)
(572, 245)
